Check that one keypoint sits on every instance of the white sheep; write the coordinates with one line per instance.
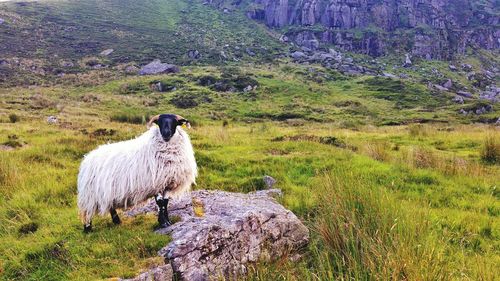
(158, 163)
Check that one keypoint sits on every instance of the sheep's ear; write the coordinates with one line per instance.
(183, 122)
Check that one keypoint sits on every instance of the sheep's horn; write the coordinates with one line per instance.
(152, 120)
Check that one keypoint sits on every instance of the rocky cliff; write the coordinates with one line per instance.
(436, 29)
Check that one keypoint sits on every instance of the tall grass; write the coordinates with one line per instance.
(366, 235)
(377, 150)
(490, 152)
(418, 157)
(418, 130)
(359, 232)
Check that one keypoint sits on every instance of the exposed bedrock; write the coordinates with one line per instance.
(435, 29)
(221, 233)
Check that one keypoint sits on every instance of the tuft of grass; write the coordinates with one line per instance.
(417, 130)
(28, 228)
(377, 151)
(14, 141)
(13, 118)
(130, 118)
(423, 158)
(490, 151)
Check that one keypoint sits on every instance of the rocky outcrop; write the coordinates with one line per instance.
(106, 52)
(220, 233)
(160, 273)
(157, 67)
(426, 28)
(491, 93)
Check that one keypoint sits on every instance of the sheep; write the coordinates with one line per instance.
(159, 163)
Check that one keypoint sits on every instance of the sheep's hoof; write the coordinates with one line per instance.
(164, 224)
(114, 216)
(87, 228)
(117, 221)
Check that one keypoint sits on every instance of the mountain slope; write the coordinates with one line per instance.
(46, 35)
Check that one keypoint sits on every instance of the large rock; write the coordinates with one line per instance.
(194, 54)
(465, 94)
(157, 67)
(52, 120)
(491, 93)
(298, 55)
(106, 52)
(221, 233)
(440, 88)
(269, 181)
(448, 84)
(458, 99)
(407, 62)
(160, 273)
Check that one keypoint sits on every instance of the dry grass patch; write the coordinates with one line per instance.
(377, 150)
(490, 152)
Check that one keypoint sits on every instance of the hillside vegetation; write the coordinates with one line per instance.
(416, 201)
(41, 39)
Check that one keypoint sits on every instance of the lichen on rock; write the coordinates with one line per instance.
(234, 231)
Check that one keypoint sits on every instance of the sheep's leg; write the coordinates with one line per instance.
(165, 202)
(162, 211)
(87, 227)
(114, 216)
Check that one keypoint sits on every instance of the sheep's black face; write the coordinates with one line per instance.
(167, 124)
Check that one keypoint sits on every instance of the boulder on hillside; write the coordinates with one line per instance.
(269, 181)
(194, 54)
(52, 120)
(221, 233)
(131, 69)
(158, 86)
(440, 88)
(466, 66)
(458, 99)
(157, 67)
(408, 61)
(106, 52)
(448, 84)
(250, 52)
(465, 94)
(283, 39)
(298, 55)
(390, 75)
(491, 93)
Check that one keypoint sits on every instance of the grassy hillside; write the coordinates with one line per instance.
(41, 39)
(413, 201)
(392, 180)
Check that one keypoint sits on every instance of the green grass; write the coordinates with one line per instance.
(410, 202)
